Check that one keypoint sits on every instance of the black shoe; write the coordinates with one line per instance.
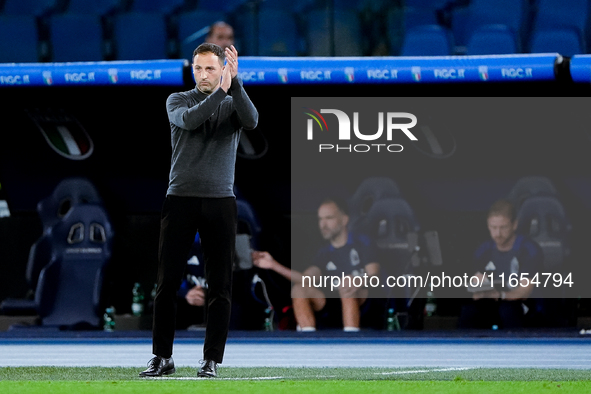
(159, 366)
(209, 369)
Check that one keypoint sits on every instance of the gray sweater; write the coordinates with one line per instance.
(205, 130)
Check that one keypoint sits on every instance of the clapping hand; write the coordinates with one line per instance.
(230, 69)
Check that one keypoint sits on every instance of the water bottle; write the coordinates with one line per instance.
(109, 319)
(431, 304)
(390, 320)
(137, 304)
(392, 323)
(268, 320)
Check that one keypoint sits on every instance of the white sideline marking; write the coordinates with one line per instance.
(423, 371)
(198, 378)
(281, 377)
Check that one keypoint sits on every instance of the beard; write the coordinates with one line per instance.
(207, 87)
(329, 234)
(204, 88)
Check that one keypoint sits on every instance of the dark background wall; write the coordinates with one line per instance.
(131, 159)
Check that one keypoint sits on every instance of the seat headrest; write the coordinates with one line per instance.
(69, 192)
(388, 217)
(369, 192)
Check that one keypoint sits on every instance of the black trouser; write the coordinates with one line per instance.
(182, 217)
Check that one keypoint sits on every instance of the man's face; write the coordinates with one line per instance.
(207, 70)
(222, 36)
(502, 230)
(331, 221)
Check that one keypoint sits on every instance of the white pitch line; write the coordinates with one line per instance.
(198, 378)
(423, 371)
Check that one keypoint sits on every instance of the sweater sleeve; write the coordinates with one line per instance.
(245, 109)
(189, 118)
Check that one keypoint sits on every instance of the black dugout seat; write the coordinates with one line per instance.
(541, 215)
(368, 192)
(68, 193)
(69, 288)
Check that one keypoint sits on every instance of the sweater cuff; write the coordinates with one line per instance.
(236, 83)
(221, 92)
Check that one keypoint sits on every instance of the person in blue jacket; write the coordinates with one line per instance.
(505, 255)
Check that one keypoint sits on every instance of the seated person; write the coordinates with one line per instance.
(505, 253)
(193, 289)
(247, 312)
(346, 254)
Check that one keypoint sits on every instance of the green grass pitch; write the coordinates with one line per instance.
(85, 380)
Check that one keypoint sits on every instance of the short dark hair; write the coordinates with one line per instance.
(208, 47)
(339, 202)
(503, 208)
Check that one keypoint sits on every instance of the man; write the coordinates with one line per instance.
(505, 253)
(205, 129)
(247, 312)
(193, 291)
(346, 254)
(220, 33)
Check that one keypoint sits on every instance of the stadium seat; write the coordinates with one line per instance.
(431, 4)
(369, 191)
(280, 5)
(427, 40)
(69, 288)
(277, 33)
(392, 225)
(379, 211)
(67, 193)
(511, 13)
(140, 36)
(400, 20)
(418, 16)
(159, 6)
(543, 218)
(222, 6)
(492, 40)
(530, 186)
(39, 257)
(565, 41)
(28, 7)
(541, 215)
(193, 27)
(92, 7)
(76, 37)
(560, 14)
(18, 39)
